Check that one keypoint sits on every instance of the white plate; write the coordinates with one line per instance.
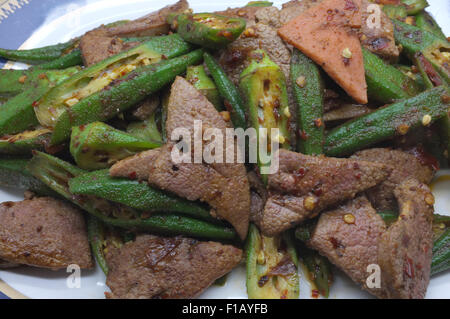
(66, 22)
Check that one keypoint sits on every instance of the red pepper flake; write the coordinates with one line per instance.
(346, 61)
(315, 293)
(424, 157)
(132, 175)
(42, 76)
(82, 127)
(350, 5)
(303, 135)
(408, 268)
(35, 104)
(318, 122)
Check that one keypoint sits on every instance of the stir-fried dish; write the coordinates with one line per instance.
(356, 92)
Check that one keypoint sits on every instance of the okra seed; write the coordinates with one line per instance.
(429, 199)
(403, 129)
(286, 112)
(346, 53)
(426, 120)
(349, 219)
(301, 81)
(310, 203)
(261, 259)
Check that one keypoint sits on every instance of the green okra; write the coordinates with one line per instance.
(56, 174)
(98, 145)
(122, 94)
(75, 57)
(259, 4)
(395, 11)
(387, 122)
(14, 82)
(319, 270)
(385, 83)
(136, 195)
(17, 114)
(265, 258)
(232, 99)
(197, 76)
(441, 254)
(68, 60)
(263, 86)
(208, 29)
(434, 49)
(426, 22)
(97, 77)
(14, 174)
(24, 143)
(40, 55)
(97, 240)
(415, 6)
(308, 88)
(432, 79)
(146, 130)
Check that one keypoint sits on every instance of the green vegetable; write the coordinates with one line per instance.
(441, 254)
(263, 85)
(146, 130)
(14, 82)
(40, 55)
(426, 22)
(97, 239)
(197, 76)
(415, 6)
(319, 270)
(389, 217)
(99, 76)
(17, 114)
(97, 145)
(272, 265)
(123, 94)
(432, 79)
(309, 91)
(435, 49)
(259, 4)
(207, 29)
(385, 83)
(56, 174)
(135, 194)
(24, 143)
(386, 122)
(75, 57)
(14, 174)
(68, 60)
(395, 11)
(232, 99)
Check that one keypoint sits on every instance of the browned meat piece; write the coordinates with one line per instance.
(405, 250)
(146, 108)
(135, 167)
(247, 13)
(258, 196)
(169, 268)
(6, 264)
(404, 166)
(151, 24)
(97, 46)
(294, 8)
(378, 38)
(224, 186)
(306, 185)
(258, 36)
(348, 236)
(43, 232)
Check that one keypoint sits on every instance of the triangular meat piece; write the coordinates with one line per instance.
(306, 185)
(224, 186)
(324, 33)
(169, 268)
